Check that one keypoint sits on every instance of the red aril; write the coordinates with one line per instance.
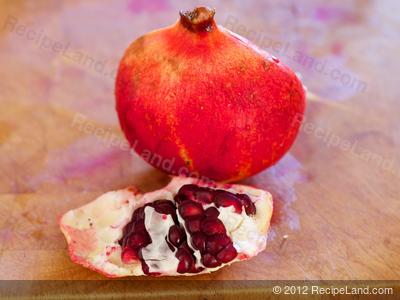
(199, 241)
(186, 260)
(227, 254)
(211, 212)
(209, 261)
(217, 242)
(176, 235)
(188, 192)
(205, 195)
(226, 199)
(190, 210)
(212, 226)
(138, 214)
(128, 255)
(164, 206)
(138, 240)
(193, 225)
(249, 206)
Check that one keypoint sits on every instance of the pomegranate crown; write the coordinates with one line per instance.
(199, 19)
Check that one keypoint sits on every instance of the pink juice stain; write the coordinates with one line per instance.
(328, 75)
(334, 14)
(85, 166)
(80, 159)
(139, 6)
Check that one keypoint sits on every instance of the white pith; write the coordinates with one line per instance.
(93, 230)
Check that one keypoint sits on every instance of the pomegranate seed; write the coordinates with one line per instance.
(138, 214)
(196, 269)
(225, 199)
(164, 207)
(209, 261)
(186, 260)
(212, 226)
(176, 235)
(138, 226)
(249, 206)
(179, 199)
(193, 225)
(205, 195)
(146, 270)
(217, 242)
(188, 191)
(138, 240)
(123, 241)
(139, 254)
(169, 245)
(128, 229)
(128, 255)
(250, 209)
(199, 241)
(190, 210)
(145, 267)
(211, 212)
(227, 254)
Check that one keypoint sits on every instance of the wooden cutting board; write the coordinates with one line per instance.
(336, 193)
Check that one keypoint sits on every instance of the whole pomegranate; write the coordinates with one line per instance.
(197, 98)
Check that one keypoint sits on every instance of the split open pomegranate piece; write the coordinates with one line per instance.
(188, 227)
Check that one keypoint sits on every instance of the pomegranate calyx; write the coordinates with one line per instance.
(199, 19)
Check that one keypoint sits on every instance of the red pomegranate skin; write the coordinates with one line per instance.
(207, 100)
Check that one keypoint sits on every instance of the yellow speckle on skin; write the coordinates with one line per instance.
(183, 153)
(245, 169)
(265, 161)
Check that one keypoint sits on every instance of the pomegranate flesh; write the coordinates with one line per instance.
(122, 233)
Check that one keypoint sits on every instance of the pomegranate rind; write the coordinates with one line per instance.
(92, 231)
(214, 81)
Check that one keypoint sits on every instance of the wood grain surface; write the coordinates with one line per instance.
(336, 193)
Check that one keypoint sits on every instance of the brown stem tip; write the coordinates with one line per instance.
(199, 19)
